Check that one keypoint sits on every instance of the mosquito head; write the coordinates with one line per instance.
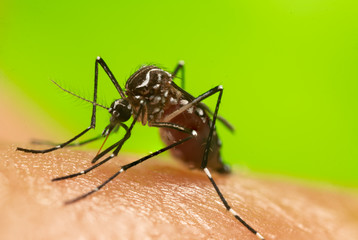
(120, 111)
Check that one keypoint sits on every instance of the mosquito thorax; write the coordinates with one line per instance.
(146, 83)
(152, 86)
(120, 111)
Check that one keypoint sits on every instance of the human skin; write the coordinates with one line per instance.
(158, 199)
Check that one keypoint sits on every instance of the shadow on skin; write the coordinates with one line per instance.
(159, 200)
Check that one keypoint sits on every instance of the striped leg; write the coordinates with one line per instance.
(127, 166)
(101, 62)
(207, 172)
(62, 145)
(118, 145)
(76, 144)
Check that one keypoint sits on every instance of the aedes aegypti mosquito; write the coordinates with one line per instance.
(153, 99)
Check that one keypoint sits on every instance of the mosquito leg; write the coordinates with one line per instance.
(173, 126)
(120, 143)
(180, 66)
(76, 144)
(44, 142)
(84, 171)
(226, 123)
(92, 125)
(104, 152)
(125, 138)
(100, 61)
(207, 172)
(195, 102)
(118, 146)
(127, 166)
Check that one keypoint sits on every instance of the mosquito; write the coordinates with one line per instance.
(152, 98)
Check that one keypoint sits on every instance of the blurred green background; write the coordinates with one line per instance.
(288, 67)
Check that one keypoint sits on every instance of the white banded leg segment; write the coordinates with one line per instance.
(227, 206)
(174, 126)
(86, 170)
(206, 170)
(95, 189)
(260, 236)
(58, 146)
(238, 217)
(118, 146)
(74, 144)
(233, 212)
(127, 166)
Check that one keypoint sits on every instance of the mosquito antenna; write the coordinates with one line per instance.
(84, 99)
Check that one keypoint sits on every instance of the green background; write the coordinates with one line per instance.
(289, 71)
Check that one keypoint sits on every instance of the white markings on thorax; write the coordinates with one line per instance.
(183, 102)
(200, 112)
(155, 99)
(173, 101)
(156, 110)
(116, 103)
(147, 78)
(169, 75)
